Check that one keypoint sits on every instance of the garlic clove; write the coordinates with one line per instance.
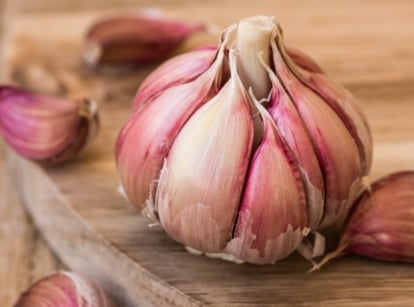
(154, 127)
(202, 178)
(295, 134)
(64, 289)
(381, 224)
(46, 129)
(346, 107)
(340, 100)
(134, 39)
(178, 70)
(272, 213)
(337, 150)
(302, 60)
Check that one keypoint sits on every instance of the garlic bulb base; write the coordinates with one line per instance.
(223, 256)
(310, 249)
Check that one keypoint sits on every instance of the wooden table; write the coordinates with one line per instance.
(383, 66)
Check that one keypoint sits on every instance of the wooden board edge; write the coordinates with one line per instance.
(74, 241)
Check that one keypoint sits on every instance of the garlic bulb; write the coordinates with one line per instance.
(134, 39)
(247, 149)
(64, 289)
(46, 129)
(381, 223)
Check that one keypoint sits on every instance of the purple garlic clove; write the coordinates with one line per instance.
(46, 129)
(64, 289)
(132, 40)
(381, 225)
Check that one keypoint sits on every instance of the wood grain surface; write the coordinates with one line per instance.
(24, 255)
(366, 45)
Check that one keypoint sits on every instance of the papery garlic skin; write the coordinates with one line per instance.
(134, 39)
(64, 289)
(253, 174)
(46, 129)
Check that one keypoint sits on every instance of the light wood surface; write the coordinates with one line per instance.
(367, 46)
(24, 255)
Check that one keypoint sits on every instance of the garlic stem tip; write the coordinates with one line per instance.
(88, 108)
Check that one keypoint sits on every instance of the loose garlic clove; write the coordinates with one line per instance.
(381, 223)
(155, 125)
(272, 213)
(134, 39)
(46, 129)
(202, 178)
(64, 289)
(178, 70)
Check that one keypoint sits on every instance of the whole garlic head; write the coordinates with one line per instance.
(248, 154)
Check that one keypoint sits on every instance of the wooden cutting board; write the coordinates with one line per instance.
(368, 47)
